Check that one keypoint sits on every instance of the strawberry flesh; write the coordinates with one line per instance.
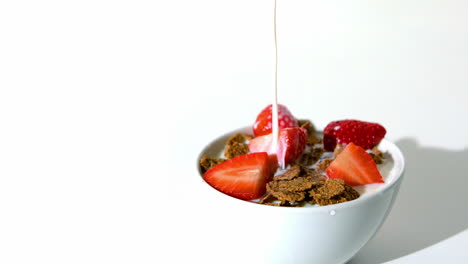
(263, 123)
(355, 166)
(364, 134)
(291, 144)
(244, 177)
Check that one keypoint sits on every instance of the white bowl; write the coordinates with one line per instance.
(238, 231)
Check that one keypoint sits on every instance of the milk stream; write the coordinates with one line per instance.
(274, 110)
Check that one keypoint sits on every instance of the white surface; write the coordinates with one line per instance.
(99, 98)
(452, 250)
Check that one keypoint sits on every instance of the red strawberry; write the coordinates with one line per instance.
(291, 144)
(263, 123)
(355, 166)
(244, 177)
(364, 134)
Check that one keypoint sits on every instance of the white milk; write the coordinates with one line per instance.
(274, 109)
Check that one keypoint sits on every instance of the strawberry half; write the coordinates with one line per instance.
(263, 123)
(355, 166)
(364, 134)
(291, 144)
(244, 177)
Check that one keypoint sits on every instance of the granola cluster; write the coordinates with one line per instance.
(300, 185)
(235, 146)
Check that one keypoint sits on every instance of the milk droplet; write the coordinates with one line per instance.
(332, 212)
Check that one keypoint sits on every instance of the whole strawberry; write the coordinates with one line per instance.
(363, 134)
(263, 123)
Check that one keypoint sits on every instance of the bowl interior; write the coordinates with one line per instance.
(392, 170)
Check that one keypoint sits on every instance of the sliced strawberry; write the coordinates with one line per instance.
(355, 166)
(364, 134)
(244, 177)
(291, 144)
(263, 123)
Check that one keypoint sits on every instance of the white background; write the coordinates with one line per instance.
(104, 106)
